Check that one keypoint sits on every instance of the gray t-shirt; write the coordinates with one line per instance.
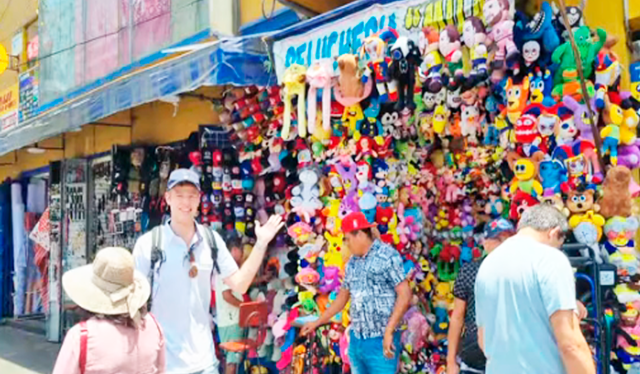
(520, 285)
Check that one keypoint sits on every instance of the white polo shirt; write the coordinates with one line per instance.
(181, 303)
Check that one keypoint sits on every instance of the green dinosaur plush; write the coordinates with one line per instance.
(588, 49)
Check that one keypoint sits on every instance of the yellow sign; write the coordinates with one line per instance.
(4, 59)
(9, 100)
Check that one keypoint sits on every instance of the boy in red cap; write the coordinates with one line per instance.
(380, 295)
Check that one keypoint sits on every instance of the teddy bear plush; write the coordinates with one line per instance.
(350, 80)
(616, 198)
(582, 201)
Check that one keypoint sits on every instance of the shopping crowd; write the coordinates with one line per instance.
(515, 311)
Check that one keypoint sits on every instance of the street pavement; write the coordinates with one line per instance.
(23, 352)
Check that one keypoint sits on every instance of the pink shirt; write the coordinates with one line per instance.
(114, 349)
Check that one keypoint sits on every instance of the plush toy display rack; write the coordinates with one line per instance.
(432, 133)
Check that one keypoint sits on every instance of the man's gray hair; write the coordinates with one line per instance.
(543, 217)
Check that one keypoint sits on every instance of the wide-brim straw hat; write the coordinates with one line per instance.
(108, 286)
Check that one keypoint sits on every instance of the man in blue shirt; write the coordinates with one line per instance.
(525, 302)
(380, 295)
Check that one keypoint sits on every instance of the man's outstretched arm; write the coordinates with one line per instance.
(240, 280)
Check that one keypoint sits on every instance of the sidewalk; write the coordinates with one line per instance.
(22, 352)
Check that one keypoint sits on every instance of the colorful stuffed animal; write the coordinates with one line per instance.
(374, 53)
(620, 245)
(581, 116)
(470, 123)
(610, 134)
(497, 16)
(616, 199)
(541, 85)
(520, 203)
(452, 51)
(541, 29)
(294, 85)
(553, 175)
(474, 36)
(319, 78)
(517, 96)
(608, 70)
(587, 48)
(406, 58)
(350, 89)
(431, 68)
(525, 171)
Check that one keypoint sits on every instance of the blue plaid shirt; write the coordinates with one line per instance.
(371, 281)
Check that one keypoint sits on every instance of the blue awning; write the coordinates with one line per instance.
(235, 61)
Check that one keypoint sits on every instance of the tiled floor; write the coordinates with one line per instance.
(22, 352)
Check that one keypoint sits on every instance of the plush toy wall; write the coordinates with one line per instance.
(430, 152)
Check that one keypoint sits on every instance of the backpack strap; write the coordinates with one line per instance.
(157, 325)
(211, 240)
(157, 256)
(84, 337)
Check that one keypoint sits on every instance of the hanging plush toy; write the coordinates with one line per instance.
(610, 134)
(581, 116)
(319, 77)
(452, 51)
(294, 84)
(406, 58)
(517, 95)
(540, 29)
(431, 68)
(588, 50)
(497, 16)
(474, 36)
(608, 71)
(373, 52)
(616, 199)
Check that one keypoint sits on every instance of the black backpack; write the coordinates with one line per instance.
(158, 257)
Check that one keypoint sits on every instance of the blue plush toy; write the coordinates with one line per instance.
(541, 28)
(540, 87)
(553, 175)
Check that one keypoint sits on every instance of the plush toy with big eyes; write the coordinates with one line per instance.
(406, 58)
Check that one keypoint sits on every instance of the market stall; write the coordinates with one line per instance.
(431, 118)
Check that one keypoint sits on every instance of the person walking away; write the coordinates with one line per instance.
(228, 309)
(526, 302)
(380, 295)
(120, 337)
(180, 258)
(463, 332)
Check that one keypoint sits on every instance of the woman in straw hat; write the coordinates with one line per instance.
(120, 337)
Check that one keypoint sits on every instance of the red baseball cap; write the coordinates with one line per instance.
(355, 221)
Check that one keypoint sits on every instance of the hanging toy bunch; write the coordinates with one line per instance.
(430, 134)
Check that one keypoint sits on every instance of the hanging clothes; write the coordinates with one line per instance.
(6, 252)
(42, 245)
(19, 250)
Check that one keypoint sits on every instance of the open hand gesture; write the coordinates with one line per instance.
(266, 233)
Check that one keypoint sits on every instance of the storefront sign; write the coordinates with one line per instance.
(346, 34)
(33, 48)
(17, 44)
(28, 94)
(9, 100)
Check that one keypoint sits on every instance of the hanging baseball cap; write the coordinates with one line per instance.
(498, 226)
(183, 176)
(355, 221)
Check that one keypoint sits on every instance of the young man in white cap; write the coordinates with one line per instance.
(380, 295)
(181, 278)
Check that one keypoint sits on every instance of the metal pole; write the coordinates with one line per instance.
(583, 85)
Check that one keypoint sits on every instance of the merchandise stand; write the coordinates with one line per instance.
(599, 277)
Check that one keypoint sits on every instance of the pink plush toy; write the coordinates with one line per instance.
(319, 77)
(498, 17)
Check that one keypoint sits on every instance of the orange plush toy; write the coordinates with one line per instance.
(517, 95)
(616, 198)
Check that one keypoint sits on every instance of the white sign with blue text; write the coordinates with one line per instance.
(346, 34)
